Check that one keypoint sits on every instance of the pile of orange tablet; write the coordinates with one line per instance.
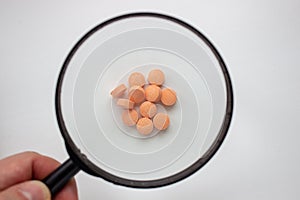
(139, 101)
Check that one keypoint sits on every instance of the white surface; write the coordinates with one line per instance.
(259, 41)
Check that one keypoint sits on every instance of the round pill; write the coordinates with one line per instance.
(136, 94)
(130, 117)
(153, 93)
(161, 121)
(118, 91)
(125, 103)
(168, 97)
(144, 126)
(148, 109)
(156, 77)
(136, 78)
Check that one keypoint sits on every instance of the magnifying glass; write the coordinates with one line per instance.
(102, 59)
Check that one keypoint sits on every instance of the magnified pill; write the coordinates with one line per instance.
(168, 97)
(130, 117)
(118, 91)
(156, 77)
(148, 109)
(125, 103)
(153, 93)
(136, 78)
(144, 126)
(161, 121)
(136, 94)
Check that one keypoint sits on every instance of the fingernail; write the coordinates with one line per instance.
(34, 190)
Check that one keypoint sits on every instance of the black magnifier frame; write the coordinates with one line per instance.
(78, 161)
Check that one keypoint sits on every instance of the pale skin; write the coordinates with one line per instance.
(19, 175)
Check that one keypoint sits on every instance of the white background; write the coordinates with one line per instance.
(260, 43)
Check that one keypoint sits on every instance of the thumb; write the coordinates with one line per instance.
(29, 190)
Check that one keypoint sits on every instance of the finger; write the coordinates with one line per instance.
(24, 166)
(29, 190)
(30, 165)
(41, 171)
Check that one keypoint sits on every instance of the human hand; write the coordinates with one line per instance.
(19, 175)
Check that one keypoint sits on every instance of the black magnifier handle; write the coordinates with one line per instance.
(61, 176)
